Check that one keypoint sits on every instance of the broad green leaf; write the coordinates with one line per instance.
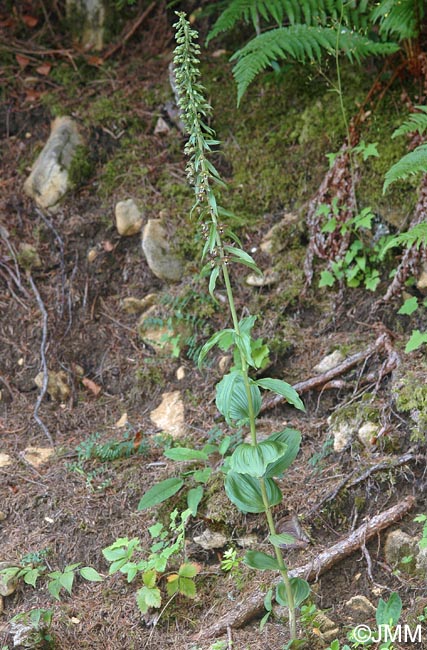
(117, 566)
(54, 587)
(185, 453)
(243, 342)
(66, 580)
(254, 459)
(292, 439)
(149, 578)
(326, 279)
(202, 475)
(188, 570)
(264, 620)
(281, 540)
(409, 306)
(172, 585)
(246, 324)
(282, 388)
(187, 587)
(194, 497)
(224, 446)
(245, 492)
(373, 280)
(260, 561)
(241, 257)
(31, 577)
(146, 598)
(232, 400)
(388, 612)
(330, 225)
(88, 573)
(300, 589)
(160, 492)
(416, 340)
(155, 529)
(222, 339)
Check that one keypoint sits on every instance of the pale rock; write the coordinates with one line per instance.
(210, 539)
(5, 459)
(7, 584)
(36, 456)
(224, 363)
(398, 545)
(180, 373)
(90, 27)
(330, 361)
(326, 626)
(133, 305)
(281, 234)
(268, 278)
(92, 255)
(162, 127)
(157, 251)
(57, 385)
(2, 516)
(128, 218)
(422, 279)
(421, 563)
(360, 608)
(248, 541)
(169, 415)
(48, 181)
(342, 432)
(368, 433)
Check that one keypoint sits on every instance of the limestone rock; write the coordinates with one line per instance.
(2, 516)
(326, 626)
(268, 278)
(210, 539)
(180, 373)
(360, 608)
(422, 279)
(330, 361)
(368, 433)
(7, 584)
(128, 218)
(399, 545)
(156, 249)
(248, 541)
(342, 432)
(169, 415)
(5, 459)
(36, 456)
(57, 386)
(421, 563)
(48, 181)
(133, 305)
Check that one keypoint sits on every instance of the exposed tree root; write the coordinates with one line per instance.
(382, 342)
(253, 605)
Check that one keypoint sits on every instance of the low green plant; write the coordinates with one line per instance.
(38, 623)
(252, 467)
(422, 519)
(127, 556)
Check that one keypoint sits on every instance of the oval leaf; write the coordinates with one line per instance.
(194, 497)
(232, 400)
(88, 573)
(300, 589)
(261, 561)
(284, 539)
(253, 459)
(292, 439)
(160, 492)
(245, 492)
(282, 388)
(185, 453)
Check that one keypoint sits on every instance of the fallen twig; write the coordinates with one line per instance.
(247, 609)
(315, 382)
(112, 50)
(43, 360)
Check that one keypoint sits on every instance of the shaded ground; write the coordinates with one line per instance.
(72, 507)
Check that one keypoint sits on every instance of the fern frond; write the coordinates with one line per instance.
(415, 122)
(248, 10)
(301, 43)
(416, 236)
(413, 163)
(401, 19)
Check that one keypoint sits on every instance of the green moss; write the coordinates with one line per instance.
(357, 413)
(411, 397)
(81, 167)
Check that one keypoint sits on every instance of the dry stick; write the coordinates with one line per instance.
(130, 33)
(253, 605)
(319, 380)
(43, 360)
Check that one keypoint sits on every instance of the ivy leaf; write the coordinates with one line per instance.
(160, 492)
(326, 279)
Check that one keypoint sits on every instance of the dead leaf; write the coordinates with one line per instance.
(137, 440)
(30, 21)
(91, 385)
(23, 61)
(122, 422)
(32, 95)
(95, 60)
(44, 68)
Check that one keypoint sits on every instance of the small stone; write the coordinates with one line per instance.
(268, 278)
(421, 565)
(422, 279)
(248, 541)
(399, 545)
(161, 261)
(5, 459)
(133, 305)
(162, 127)
(210, 539)
(7, 584)
(224, 363)
(330, 361)
(327, 628)
(2, 516)
(342, 432)
(92, 255)
(128, 218)
(281, 234)
(360, 608)
(368, 433)
(48, 181)
(36, 456)
(169, 415)
(180, 373)
(57, 386)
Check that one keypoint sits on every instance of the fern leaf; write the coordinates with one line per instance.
(301, 43)
(415, 122)
(416, 236)
(401, 19)
(246, 10)
(413, 163)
